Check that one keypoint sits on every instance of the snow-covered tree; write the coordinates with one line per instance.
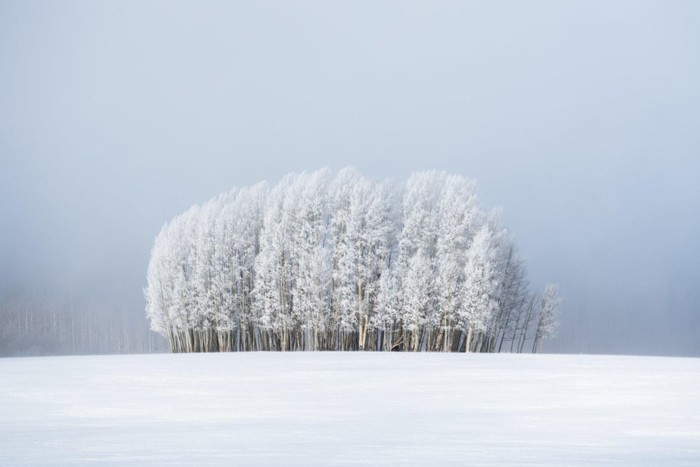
(458, 218)
(343, 263)
(478, 292)
(417, 261)
(547, 316)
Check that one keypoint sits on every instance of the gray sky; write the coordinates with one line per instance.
(581, 119)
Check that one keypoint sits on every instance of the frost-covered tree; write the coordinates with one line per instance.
(512, 292)
(307, 208)
(271, 270)
(344, 263)
(459, 217)
(547, 316)
(478, 291)
(417, 261)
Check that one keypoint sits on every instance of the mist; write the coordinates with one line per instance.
(580, 120)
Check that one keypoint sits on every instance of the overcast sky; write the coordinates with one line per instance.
(580, 119)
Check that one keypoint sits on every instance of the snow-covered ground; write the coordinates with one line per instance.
(349, 409)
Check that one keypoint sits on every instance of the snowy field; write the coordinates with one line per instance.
(349, 409)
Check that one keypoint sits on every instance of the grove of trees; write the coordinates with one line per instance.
(342, 262)
(42, 322)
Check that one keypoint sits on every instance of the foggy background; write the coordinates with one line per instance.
(580, 119)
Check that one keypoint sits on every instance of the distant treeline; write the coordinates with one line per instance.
(40, 324)
(322, 262)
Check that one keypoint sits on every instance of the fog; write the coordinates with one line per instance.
(579, 119)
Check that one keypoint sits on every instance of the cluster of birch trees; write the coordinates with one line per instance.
(43, 322)
(342, 262)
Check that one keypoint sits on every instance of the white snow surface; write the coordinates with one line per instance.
(349, 409)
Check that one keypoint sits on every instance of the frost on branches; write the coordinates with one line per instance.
(323, 262)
